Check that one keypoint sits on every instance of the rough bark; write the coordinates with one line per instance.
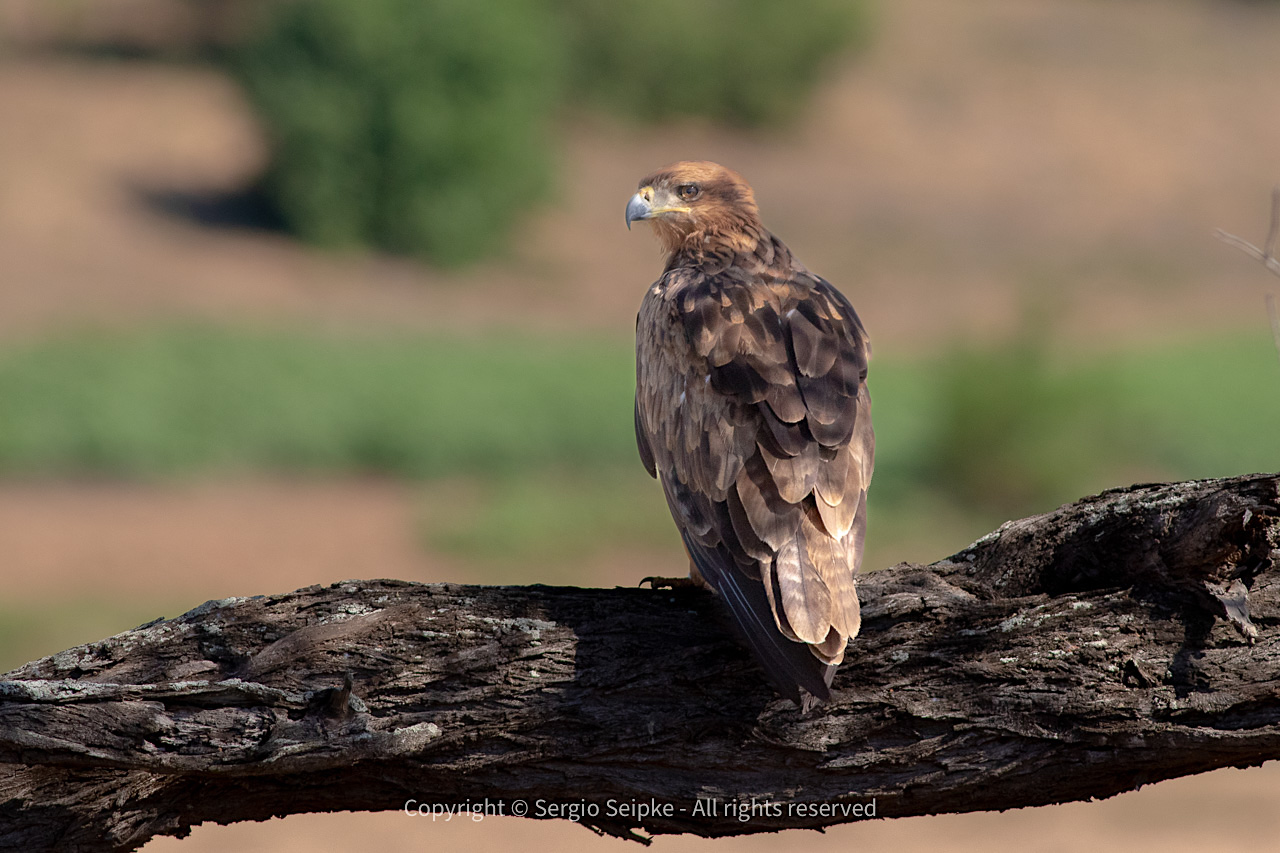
(1130, 637)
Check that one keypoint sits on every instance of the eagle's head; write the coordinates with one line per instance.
(696, 204)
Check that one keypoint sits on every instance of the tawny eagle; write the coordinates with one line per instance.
(752, 410)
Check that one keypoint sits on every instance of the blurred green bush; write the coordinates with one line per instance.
(423, 126)
(1016, 429)
(419, 126)
(746, 62)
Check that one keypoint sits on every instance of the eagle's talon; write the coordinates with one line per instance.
(670, 583)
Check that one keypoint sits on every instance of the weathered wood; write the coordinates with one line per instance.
(1131, 637)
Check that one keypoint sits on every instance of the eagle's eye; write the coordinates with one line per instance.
(688, 192)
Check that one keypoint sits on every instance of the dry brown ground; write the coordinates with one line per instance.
(202, 541)
(986, 159)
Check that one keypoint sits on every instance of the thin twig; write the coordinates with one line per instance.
(1266, 256)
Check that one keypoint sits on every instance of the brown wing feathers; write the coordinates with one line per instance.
(797, 495)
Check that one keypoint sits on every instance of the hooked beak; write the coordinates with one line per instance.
(639, 207)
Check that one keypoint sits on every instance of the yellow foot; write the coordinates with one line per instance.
(671, 583)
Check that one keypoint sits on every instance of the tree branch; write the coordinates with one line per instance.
(1130, 637)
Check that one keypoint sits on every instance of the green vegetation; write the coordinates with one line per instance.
(541, 428)
(1019, 428)
(1205, 410)
(192, 400)
(1015, 429)
(424, 126)
(748, 62)
(555, 520)
(419, 127)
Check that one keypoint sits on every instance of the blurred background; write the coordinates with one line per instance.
(296, 292)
